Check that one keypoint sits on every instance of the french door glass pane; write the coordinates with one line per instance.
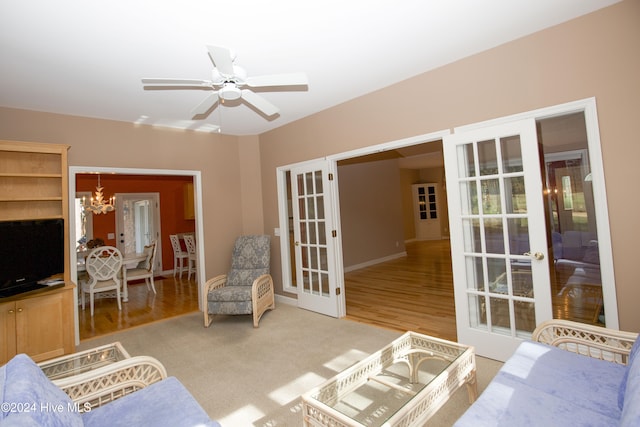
(511, 154)
(491, 203)
(475, 273)
(469, 197)
(515, 195)
(487, 157)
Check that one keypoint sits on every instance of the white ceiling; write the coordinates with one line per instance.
(86, 57)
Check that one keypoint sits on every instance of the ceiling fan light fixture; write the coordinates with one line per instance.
(229, 92)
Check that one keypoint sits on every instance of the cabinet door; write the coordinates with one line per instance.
(7, 331)
(41, 326)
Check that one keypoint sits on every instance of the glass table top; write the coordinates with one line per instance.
(78, 363)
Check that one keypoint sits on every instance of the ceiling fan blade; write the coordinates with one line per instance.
(177, 82)
(205, 105)
(259, 102)
(291, 79)
(221, 58)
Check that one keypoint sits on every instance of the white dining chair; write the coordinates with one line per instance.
(190, 243)
(179, 255)
(103, 267)
(144, 270)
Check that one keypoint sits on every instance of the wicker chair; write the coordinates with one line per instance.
(248, 287)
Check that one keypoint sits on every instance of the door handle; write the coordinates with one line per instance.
(536, 255)
(297, 243)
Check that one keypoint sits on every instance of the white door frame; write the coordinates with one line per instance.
(332, 160)
(588, 107)
(197, 189)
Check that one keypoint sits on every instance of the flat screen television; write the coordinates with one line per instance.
(31, 251)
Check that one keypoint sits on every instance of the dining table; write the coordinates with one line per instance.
(130, 261)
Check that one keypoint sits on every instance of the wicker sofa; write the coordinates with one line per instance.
(568, 374)
(133, 392)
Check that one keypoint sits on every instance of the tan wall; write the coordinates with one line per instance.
(592, 56)
(251, 185)
(370, 211)
(117, 144)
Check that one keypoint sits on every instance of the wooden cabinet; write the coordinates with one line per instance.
(38, 325)
(34, 185)
(189, 206)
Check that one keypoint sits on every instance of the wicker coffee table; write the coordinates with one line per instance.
(402, 384)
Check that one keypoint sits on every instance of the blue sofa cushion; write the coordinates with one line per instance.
(165, 403)
(507, 402)
(543, 385)
(631, 402)
(635, 349)
(32, 399)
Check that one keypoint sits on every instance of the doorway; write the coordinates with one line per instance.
(196, 216)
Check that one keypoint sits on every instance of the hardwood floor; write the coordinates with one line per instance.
(410, 293)
(416, 293)
(174, 297)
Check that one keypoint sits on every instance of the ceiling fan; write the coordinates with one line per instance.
(230, 82)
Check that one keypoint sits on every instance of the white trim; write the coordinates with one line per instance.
(334, 195)
(540, 113)
(286, 300)
(197, 188)
(610, 300)
(392, 145)
(375, 261)
(283, 220)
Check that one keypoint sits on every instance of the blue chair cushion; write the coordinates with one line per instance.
(635, 349)
(30, 398)
(165, 403)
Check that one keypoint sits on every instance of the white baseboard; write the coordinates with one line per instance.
(374, 262)
(286, 300)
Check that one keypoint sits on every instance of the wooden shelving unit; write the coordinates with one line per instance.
(34, 184)
(33, 181)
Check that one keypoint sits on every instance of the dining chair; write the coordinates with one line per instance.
(190, 243)
(103, 266)
(179, 255)
(144, 270)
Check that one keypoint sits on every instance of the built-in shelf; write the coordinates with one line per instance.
(34, 185)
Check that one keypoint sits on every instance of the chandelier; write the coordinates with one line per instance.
(98, 204)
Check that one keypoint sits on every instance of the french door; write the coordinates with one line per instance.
(498, 236)
(138, 223)
(314, 235)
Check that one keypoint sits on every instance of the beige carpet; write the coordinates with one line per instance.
(254, 377)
